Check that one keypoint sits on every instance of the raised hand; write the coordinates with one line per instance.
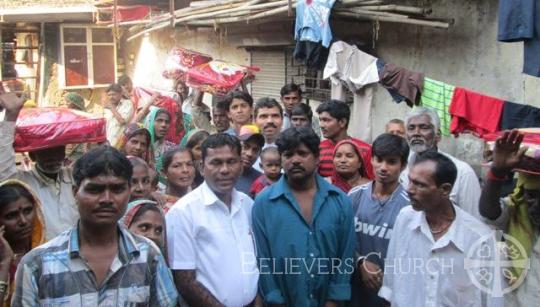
(13, 104)
(507, 153)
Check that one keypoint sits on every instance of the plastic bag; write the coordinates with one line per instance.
(180, 60)
(41, 128)
(218, 77)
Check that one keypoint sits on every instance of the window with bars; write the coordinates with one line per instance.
(311, 80)
(19, 61)
(88, 56)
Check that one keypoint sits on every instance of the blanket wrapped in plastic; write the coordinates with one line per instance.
(41, 128)
(180, 60)
(218, 77)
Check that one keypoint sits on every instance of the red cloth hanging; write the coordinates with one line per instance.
(474, 112)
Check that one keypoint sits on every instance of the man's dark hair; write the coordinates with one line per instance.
(303, 109)
(219, 140)
(390, 145)
(103, 160)
(336, 108)
(115, 87)
(169, 155)
(290, 88)
(267, 103)
(293, 137)
(124, 79)
(238, 95)
(222, 104)
(445, 172)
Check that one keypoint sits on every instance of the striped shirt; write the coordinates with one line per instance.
(55, 274)
(437, 96)
(326, 165)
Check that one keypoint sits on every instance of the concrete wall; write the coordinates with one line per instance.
(147, 55)
(467, 55)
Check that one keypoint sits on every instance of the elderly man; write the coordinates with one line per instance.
(517, 215)
(51, 182)
(423, 134)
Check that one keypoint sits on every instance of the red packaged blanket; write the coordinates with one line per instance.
(180, 60)
(218, 77)
(41, 128)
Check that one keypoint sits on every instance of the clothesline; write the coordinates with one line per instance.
(460, 110)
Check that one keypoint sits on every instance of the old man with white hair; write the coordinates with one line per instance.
(423, 134)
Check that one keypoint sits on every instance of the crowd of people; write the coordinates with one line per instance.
(247, 206)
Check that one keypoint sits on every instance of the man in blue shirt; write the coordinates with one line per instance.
(304, 230)
(376, 206)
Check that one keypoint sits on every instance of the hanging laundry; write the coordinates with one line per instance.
(531, 47)
(474, 112)
(437, 95)
(517, 115)
(405, 82)
(312, 21)
(395, 95)
(519, 20)
(312, 32)
(348, 66)
(313, 54)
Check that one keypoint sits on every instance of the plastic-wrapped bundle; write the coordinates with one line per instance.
(180, 60)
(41, 128)
(218, 77)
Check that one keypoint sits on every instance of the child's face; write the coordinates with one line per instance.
(299, 121)
(271, 165)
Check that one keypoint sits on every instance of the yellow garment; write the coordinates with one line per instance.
(519, 225)
(38, 232)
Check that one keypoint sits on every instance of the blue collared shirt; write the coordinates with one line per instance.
(55, 274)
(304, 264)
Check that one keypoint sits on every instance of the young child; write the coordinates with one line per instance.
(271, 165)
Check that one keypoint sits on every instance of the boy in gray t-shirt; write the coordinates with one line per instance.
(376, 206)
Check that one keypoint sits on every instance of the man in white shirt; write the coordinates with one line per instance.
(51, 182)
(432, 260)
(423, 134)
(118, 113)
(211, 246)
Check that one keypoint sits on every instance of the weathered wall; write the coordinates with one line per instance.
(159, 43)
(466, 55)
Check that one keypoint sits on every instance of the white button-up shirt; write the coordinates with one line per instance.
(466, 190)
(422, 272)
(56, 196)
(204, 235)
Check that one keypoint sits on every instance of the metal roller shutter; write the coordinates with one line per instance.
(271, 78)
